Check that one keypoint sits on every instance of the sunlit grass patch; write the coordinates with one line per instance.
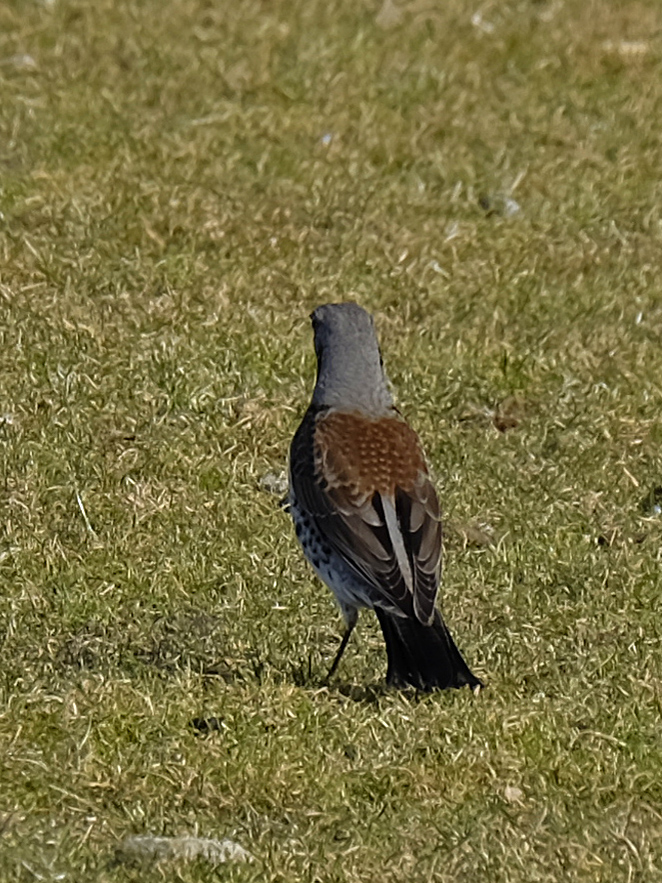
(180, 185)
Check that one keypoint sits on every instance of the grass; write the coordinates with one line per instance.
(180, 185)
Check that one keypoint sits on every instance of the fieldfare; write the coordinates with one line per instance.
(364, 508)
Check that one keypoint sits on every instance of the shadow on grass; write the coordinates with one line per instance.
(305, 676)
(367, 694)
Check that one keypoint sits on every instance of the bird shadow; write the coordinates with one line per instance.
(362, 694)
(306, 677)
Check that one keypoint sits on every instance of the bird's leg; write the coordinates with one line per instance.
(351, 622)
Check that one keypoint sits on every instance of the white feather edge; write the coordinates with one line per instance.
(397, 539)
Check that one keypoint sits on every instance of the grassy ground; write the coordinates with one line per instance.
(180, 184)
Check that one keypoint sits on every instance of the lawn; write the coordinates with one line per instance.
(180, 184)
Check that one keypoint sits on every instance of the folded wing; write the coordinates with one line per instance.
(366, 485)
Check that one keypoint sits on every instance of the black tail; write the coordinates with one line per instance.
(423, 656)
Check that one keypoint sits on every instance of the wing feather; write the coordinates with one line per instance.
(343, 488)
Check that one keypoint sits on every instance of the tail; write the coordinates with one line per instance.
(423, 656)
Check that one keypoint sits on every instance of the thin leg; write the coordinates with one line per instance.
(341, 649)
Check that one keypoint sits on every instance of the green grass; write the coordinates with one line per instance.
(180, 184)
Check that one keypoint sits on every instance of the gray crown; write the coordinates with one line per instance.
(349, 365)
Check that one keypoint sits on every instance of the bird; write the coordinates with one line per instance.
(364, 508)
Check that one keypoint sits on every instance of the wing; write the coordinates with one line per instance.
(365, 484)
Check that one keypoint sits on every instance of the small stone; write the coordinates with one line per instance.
(153, 850)
(512, 794)
(275, 483)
